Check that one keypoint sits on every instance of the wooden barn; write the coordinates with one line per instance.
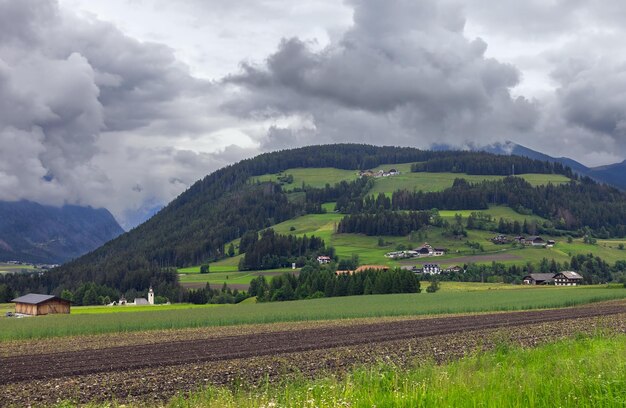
(35, 305)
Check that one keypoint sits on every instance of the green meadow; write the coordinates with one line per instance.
(369, 251)
(314, 177)
(306, 310)
(575, 372)
(406, 180)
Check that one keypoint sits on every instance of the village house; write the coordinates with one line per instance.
(539, 279)
(567, 278)
(500, 239)
(378, 174)
(35, 304)
(454, 269)
(428, 250)
(322, 259)
(402, 254)
(550, 243)
(431, 268)
(535, 241)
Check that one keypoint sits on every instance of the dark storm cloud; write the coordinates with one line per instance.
(407, 64)
(66, 85)
(592, 95)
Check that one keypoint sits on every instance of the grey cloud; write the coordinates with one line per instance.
(594, 98)
(407, 64)
(69, 87)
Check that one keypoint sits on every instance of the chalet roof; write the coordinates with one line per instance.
(570, 275)
(534, 238)
(35, 299)
(541, 276)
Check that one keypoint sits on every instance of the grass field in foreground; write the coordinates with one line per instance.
(581, 372)
(317, 309)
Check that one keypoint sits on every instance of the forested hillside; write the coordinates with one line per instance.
(31, 232)
(196, 226)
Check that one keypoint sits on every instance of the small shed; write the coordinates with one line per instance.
(35, 304)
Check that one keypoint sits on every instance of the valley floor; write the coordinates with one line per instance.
(155, 367)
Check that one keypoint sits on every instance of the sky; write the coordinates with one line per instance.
(124, 104)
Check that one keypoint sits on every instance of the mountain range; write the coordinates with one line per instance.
(613, 174)
(31, 232)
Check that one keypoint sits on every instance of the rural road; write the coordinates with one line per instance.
(58, 364)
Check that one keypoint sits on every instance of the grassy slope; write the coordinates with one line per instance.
(582, 372)
(407, 180)
(367, 248)
(318, 177)
(369, 252)
(318, 309)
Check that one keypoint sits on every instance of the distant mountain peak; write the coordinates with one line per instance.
(37, 233)
(613, 174)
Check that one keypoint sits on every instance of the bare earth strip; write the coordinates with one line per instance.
(466, 259)
(157, 371)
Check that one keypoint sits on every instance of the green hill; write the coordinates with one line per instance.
(295, 188)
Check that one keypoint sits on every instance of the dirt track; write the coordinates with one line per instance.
(53, 365)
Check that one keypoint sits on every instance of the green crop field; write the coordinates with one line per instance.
(446, 286)
(94, 310)
(575, 372)
(11, 268)
(6, 307)
(304, 310)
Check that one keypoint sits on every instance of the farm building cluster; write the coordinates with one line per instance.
(535, 241)
(423, 251)
(565, 278)
(433, 269)
(379, 173)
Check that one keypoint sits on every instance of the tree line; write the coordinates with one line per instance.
(274, 250)
(384, 223)
(314, 282)
(482, 163)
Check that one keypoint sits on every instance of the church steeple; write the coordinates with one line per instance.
(151, 295)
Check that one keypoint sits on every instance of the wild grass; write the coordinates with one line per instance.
(305, 310)
(579, 372)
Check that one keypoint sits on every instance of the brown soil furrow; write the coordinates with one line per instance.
(54, 365)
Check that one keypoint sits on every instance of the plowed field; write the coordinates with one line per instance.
(20, 372)
(41, 366)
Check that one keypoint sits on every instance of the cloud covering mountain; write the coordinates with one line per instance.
(92, 115)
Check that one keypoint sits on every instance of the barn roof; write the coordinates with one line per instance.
(541, 276)
(571, 275)
(35, 298)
